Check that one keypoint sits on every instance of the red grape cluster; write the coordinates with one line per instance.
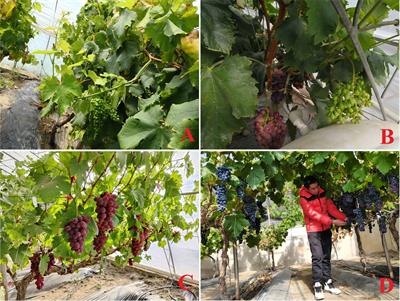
(106, 206)
(271, 130)
(77, 231)
(35, 261)
(138, 243)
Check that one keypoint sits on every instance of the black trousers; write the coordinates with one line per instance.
(321, 246)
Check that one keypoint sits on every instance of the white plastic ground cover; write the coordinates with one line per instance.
(185, 254)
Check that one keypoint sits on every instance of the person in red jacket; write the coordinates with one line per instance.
(319, 215)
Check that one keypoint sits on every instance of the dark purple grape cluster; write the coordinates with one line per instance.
(346, 203)
(278, 85)
(224, 173)
(35, 261)
(374, 196)
(240, 190)
(393, 184)
(221, 192)
(382, 224)
(106, 207)
(270, 129)
(370, 226)
(347, 199)
(359, 218)
(364, 200)
(77, 232)
(250, 209)
(261, 209)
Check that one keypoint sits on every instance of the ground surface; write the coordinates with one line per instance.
(294, 282)
(113, 283)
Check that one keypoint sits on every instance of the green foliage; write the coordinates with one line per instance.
(310, 38)
(124, 68)
(16, 20)
(229, 94)
(35, 206)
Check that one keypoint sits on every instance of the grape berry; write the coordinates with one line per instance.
(77, 232)
(270, 129)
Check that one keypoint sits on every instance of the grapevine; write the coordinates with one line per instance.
(270, 129)
(16, 29)
(125, 68)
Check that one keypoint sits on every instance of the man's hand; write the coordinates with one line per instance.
(338, 222)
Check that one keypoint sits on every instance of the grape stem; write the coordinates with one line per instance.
(127, 83)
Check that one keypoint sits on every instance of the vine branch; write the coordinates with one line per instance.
(98, 178)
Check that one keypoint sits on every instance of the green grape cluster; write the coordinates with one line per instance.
(348, 99)
(101, 111)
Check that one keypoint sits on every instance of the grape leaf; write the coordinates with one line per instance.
(235, 224)
(217, 27)
(179, 131)
(124, 20)
(145, 124)
(229, 93)
(187, 110)
(322, 19)
(256, 176)
(171, 29)
(44, 261)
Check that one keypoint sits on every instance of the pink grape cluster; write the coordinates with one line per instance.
(77, 232)
(106, 207)
(35, 262)
(270, 129)
(138, 244)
